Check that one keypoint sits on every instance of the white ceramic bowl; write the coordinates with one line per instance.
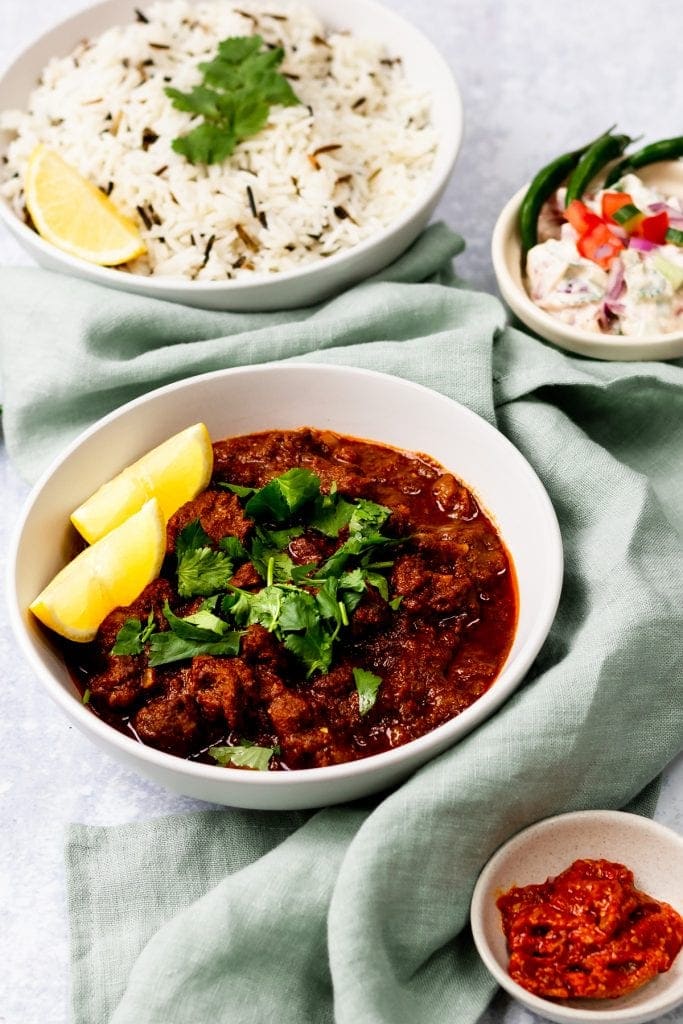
(506, 252)
(655, 855)
(349, 401)
(308, 284)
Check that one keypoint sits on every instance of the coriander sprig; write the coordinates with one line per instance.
(239, 87)
(306, 607)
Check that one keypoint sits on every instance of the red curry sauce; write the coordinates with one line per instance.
(436, 653)
(588, 933)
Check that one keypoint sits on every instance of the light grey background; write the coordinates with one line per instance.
(538, 77)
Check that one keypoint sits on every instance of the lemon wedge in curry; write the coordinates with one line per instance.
(69, 211)
(174, 472)
(109, 574)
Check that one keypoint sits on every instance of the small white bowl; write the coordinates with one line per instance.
(233, 402)
(655, 855)
(506, 252)
(424, 66)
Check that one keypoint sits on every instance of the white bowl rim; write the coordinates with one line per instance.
(491, 699)
(446, 153)
(479, 896)
(603, 343)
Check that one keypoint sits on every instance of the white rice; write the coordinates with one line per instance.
(95, 106)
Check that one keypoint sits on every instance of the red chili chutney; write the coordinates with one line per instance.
(588, 933)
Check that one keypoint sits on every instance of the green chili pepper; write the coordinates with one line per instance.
(541, 188)
(665, 149)
(597, 156)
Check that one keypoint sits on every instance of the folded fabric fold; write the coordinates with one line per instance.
(359, 913)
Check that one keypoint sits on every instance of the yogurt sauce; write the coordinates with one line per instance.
(633, 298)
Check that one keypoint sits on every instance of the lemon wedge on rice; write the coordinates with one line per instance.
(69, 211)
(109, 574)
(174, 472)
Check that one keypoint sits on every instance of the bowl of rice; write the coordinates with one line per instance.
(330, 190)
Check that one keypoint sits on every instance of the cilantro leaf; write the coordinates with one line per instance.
(379, 582)
(203, 625)
(133, 636)
(191, 537)
(239, 87)
(331, 513)
(314, 648)
(367, 685)
(238, 605)
(201, 633)
(203, 572)
(283, 496)
(234, 549)
(167, 647)
(367, 517)
(280, 539)
(241, 492)
(246, 755)
(327, 602)
(298, 611)
(265, 608)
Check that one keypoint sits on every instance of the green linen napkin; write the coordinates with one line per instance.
(358, 914)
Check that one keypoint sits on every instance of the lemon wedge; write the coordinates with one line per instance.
(111, 573)
(174, 472)
(69, 211)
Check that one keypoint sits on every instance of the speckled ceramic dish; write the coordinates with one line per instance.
(506, 252)
(655, 855)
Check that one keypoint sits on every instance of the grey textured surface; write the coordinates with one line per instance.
(537, 77)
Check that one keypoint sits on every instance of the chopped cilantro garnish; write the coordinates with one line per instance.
(283, 496)
(246, 755)
(201, 633)
(234, 549)
(241, 492)
(201, 570)
(306, 607)
(239, 87)
(367, 517)
(314, 648)
(133, 636)
(367, 685)
(331, 513)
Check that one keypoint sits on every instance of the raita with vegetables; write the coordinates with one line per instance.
(323, 599)
(608, 260)
(588, 933)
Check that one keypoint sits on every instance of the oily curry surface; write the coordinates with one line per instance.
(428, 616)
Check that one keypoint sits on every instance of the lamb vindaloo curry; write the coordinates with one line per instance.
(326, 598)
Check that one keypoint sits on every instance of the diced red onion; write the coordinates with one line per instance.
(620, 232)
(675, 215)
(642, 244)
(615, 281)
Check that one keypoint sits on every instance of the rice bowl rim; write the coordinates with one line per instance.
(449, 138)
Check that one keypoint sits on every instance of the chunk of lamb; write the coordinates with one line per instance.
(119, 678)
(427, 591)
(170, 722)
(220, 687)
(219, 513)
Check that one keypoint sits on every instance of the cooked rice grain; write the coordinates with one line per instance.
(104, 110)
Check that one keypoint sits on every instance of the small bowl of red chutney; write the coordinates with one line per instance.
(580, 918)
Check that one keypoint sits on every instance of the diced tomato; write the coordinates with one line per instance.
(600, 245)
(580, 217)
(654, 228)
(613, 201)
